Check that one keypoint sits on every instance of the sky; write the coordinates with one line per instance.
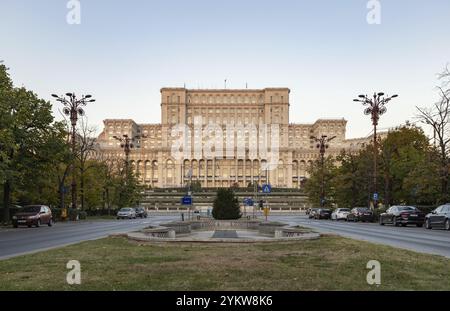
(325, 51)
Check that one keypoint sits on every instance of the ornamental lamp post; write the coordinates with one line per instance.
(375, 108)
(127, 143)
(73, 109)
(322, 145)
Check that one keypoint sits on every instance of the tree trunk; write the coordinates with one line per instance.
(6, 200)
(82, 188)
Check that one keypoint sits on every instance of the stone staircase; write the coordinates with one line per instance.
(169, 200)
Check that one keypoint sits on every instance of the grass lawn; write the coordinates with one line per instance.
(330, 263)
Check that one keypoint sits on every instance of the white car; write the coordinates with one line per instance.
(126, 213)
(340, 214)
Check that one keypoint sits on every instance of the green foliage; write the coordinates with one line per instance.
(226, 205)
(196, 186)
(126, 188)
(406, 162)
(35, 158)
(313, 186)
(408, 172)
(351, 179)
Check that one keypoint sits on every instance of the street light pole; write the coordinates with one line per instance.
(72, 108)
(376, 108)
(322, 145)
(127, 143)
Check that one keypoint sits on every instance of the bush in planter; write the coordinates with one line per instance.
(56, 213)
(82, 215)
(226, 205)
(377, 212)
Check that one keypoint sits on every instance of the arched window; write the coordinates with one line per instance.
(148, 170)
(295, 168)
(186, 168)
(202, 168)
(256, 168)
(155, 175)
(170, 171)
(240, 167)
(194, 168)
(248, 168)
(280, 169)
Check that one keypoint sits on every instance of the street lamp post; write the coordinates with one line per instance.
(73, 109)
(322, 145)
(127, 143)
(376, 107)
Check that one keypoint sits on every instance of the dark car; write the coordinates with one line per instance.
(33, 215)
(360, 214)
(439, 218)
(141, 212)
(323, 213)
(403, 215)
(312, 212)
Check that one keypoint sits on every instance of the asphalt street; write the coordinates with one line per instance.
(14, 242)
(417, 239)
(24, 240)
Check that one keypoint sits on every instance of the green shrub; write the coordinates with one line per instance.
(56, 213)
(226, 205)
(82, 215)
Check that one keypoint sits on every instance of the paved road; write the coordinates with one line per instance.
(14, 242)
(411, 237)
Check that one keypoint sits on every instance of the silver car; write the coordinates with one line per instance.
(340, 214)
(126, 213)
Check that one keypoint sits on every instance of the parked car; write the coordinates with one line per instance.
(126, 213)
(311, 213)
(340, 214)
(33, 215)
(402, 215)
(323, 213)
(360, 214)
(141, 212)
(439, 218)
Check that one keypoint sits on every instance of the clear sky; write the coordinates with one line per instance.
(123, 52)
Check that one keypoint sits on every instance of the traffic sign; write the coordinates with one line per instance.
(186, 200)
(375, 196)
(248, 202)
(266, 188)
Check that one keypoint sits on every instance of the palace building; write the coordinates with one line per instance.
(156, 166)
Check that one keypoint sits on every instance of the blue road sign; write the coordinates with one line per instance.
(186, 200)
(248, 202)
(375, 196)
(266, 188)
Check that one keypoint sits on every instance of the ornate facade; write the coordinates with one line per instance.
(153, 159)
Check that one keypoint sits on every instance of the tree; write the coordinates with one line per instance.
(350, 181)
(25, 126)
(127, 189)
(85, 146)
(438, 118)
(402, 152)
(226, 205)
(313, 185)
